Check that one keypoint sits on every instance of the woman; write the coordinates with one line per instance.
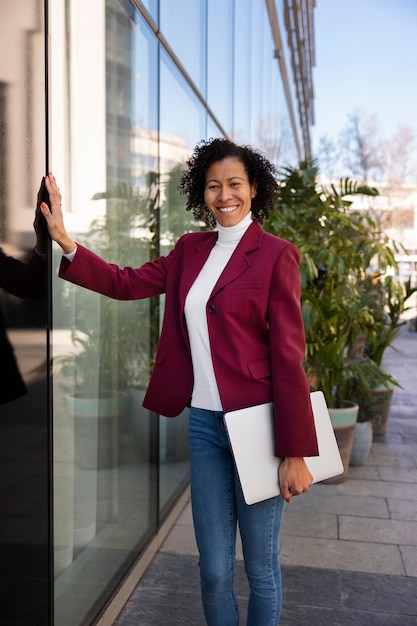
(232, 337)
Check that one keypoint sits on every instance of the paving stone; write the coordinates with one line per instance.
(297, 523)
(400, 475)
(344, 555)
(381, 489)
(402, 509)
(379, 531)
(409, 554)
(339, 503)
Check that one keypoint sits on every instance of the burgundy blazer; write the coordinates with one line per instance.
(254, 321)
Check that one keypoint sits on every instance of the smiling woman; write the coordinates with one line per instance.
(220, 351)
(228, 193)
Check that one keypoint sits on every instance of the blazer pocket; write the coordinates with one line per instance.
(260, 368)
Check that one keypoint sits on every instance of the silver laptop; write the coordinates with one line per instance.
(251, 435)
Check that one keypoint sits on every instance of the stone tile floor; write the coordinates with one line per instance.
(348, 551)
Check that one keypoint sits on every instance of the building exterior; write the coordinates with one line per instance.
(395, 210)
(112, 96)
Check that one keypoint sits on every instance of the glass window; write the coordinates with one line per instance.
(152, 8)
(272, 131)
(220, 61)
(106, 161)
(183, 24)
(243, 55)
(257, 17)
(182, 120)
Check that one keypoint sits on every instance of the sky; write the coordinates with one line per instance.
(366, 59)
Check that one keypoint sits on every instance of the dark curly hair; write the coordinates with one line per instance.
(260, 172)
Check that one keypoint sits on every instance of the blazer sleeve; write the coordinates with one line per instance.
(294, 422)
(89, 270)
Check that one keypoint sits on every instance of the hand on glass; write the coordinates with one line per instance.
(54, 217)
(39, 223)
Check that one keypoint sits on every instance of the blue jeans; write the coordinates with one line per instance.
(218, 505)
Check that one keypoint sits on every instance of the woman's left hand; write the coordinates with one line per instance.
(294, 477)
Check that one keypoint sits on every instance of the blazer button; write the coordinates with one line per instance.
(212, 308)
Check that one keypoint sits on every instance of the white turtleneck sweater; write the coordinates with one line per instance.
(205, 392)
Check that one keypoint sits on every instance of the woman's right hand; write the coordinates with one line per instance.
(54, 217)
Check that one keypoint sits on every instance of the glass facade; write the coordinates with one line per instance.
(25, 567)
(112, 96)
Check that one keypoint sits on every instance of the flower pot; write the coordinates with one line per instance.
(385, 395)
(345, 415)
(96, 429)
(362, 443)
(344, 421)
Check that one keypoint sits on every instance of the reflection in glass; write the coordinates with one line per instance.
(24, 518)
(152, 8)
(182, 120)
(242, 88)
(105, 477)
(220, 61)
(183, 24)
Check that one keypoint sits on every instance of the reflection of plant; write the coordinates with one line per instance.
(112, 348)
(337, 246)
(116, 352)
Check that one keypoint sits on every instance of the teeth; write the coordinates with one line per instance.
(227, 209)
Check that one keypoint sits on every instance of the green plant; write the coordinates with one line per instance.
(338, 248)
(359, 381)
(388, 306)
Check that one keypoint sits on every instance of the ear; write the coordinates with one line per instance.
(253, 190)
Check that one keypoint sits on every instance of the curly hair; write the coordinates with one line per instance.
(259, 170)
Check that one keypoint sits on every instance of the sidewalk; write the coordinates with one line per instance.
(348, 551)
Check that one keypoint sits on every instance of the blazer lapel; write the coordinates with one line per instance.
(193, 264)
(239, 261)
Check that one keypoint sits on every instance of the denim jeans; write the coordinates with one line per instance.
(218, 506)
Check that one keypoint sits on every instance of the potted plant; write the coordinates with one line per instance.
(337, 246)
(360, 380)
(388, 307)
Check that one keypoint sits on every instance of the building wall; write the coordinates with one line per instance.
(113, 96)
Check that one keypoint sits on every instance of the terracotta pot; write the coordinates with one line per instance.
(344, 421)
(386, 398)
(362, 443)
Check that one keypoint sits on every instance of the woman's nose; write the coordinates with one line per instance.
(224, 193)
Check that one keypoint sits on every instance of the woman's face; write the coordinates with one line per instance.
(228, 194)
